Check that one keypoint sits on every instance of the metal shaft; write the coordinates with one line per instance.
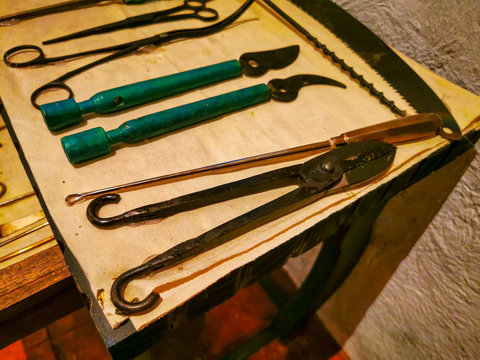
(73, 199)
(410, 128)
(27, 248)
(21, 234)
(335, 59)
(18, 198)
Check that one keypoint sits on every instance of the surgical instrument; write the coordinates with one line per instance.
(118, 51)
(191, 9)
(333, 172)
(96, 142)
(18, 198)
(27, 248)
(21, 233)
(59, 115)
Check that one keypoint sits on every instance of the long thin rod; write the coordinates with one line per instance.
(349, 69)
(46, 10)
(27, 248)
(79, 197)
(23, 233)
(18, 198)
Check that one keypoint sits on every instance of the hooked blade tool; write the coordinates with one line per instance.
(410, 128)
(59, 115)
(335, 171)
(96, 142)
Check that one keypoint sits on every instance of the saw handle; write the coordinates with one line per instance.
(97, 142)
(410, 128)
(62, 114)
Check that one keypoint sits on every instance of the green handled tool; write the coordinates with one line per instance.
(63, 114)
(97, 142)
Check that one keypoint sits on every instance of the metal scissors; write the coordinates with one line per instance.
(191, 9)
(337, 170)
(119, 51)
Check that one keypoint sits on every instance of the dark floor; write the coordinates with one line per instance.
(209, 337)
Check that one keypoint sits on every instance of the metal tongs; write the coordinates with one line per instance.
(190, 9)
(337, 170)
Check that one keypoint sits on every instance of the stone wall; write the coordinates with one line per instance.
(415, 293)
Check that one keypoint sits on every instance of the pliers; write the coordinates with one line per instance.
(332, 172)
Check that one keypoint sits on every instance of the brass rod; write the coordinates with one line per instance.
(27, 248)
(23, 233)
(18, 198)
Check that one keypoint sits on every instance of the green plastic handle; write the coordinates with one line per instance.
(63, 114)
(97, 142)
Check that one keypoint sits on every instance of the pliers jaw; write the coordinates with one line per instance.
(347, 167)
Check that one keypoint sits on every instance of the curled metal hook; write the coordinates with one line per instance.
(118, 288)
(341, 168)
(94, 207)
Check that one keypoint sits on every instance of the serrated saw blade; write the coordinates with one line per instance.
(382, 59)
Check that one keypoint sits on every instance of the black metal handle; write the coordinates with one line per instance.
(117, 292)
(40, 59)
(51, 85)
(207, 241)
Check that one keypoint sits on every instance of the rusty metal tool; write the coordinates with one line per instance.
(62, 114)
(411, 128)
(97, 142)
(190, 9)
(338, 170)
(116, 50)
(57, 8)
(17, 198)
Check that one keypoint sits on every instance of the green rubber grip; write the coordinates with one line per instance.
(63, 114)
(96, 142)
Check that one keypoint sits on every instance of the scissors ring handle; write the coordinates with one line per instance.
(56, 84)
(194, 4)
(205, 14)
(9, 54)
